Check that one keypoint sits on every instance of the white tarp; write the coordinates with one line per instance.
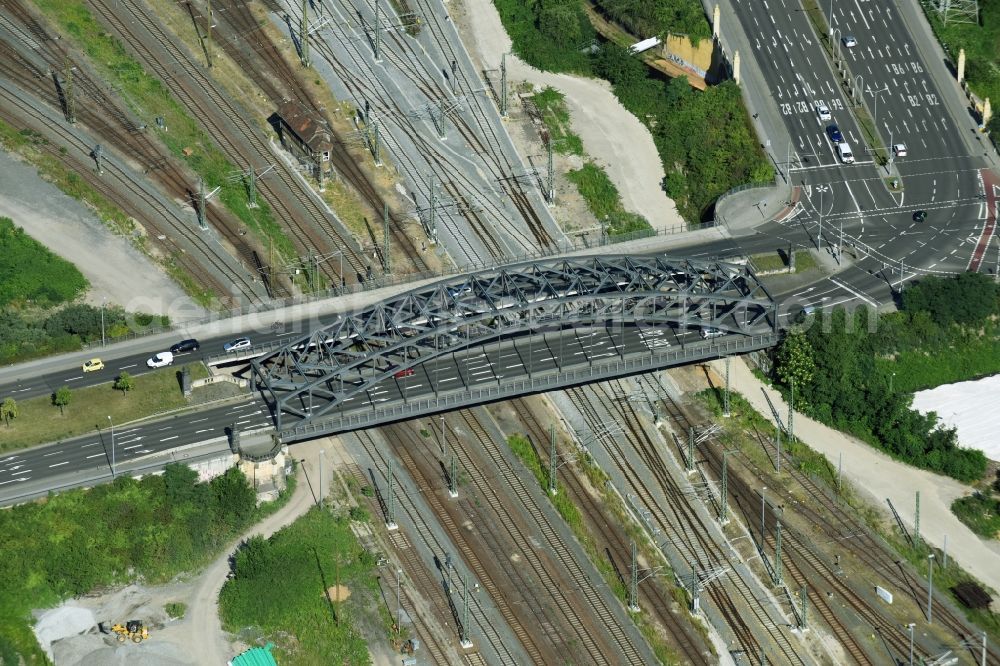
(644, 45)
(969, 407)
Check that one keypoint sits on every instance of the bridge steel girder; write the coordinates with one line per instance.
(311, 376)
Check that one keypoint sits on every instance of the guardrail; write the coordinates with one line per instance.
(547, 382)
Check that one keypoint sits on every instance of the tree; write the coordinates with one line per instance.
(796, 362)
(8, 410)
(124, 383)
(235, 498)
(61, 398)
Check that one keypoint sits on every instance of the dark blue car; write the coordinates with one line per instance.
(834, 133)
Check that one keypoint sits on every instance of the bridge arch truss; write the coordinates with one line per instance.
(313, 377)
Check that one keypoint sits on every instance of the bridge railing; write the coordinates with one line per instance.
(542, 382)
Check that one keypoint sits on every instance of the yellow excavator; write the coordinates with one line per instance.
(133, 630)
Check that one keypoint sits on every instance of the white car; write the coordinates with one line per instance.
(822, 110)
(849, 41)
(711, 332)
(899, 150)
(161, 360)
(238, 344)
(844, 151)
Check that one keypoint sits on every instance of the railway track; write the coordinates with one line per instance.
(245, 28)
(701, 549)
(118, 182)
(118, 129)
(652, 596)
(234, 135)
(873, 555)
(432, 589)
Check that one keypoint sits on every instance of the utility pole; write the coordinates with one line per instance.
(390, 523)
(791, 414)
(386, 260)
(910, 627)
(464, 639)
(916, 521)
(724, 495)
(633, 585)
(431, 226)
(503, 85)
(777, 436)
(252, 187)
(690, 455)
(453, 477)
(201, 203)
(725, 396)
(840, 243)
(378, 34)
(552, 459)
(695, 601)
(930, 588)
(112, 446)
(399, 607)
(208, 38)
(68, 93)
(99, 158)
(304, 33)
(550, 186)
(804, 599)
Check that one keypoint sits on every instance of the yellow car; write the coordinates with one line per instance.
(93, 365)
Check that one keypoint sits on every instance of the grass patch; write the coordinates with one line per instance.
(316, 552)
(604, 201)
(176, 609)
(113, 534)
(30, 273)
(551, 104)
(522, 448)
(980, 512)
(777, 261)
(149, 97)
(39, 420)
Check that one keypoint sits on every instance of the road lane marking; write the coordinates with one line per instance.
(96, 455)
(65, 462)
(198, 420)
(134, 446)
(167, 439)
(128, 366)
(198, 432)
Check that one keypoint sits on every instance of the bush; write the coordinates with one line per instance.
(980, 512)
(30, 273)
(838, 381)
(964, 299)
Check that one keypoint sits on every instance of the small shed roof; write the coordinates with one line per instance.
(310, 127)
(258, 656)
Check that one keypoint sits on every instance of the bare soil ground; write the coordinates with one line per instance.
(68, 228)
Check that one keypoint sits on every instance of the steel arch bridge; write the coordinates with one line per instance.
(317, 377)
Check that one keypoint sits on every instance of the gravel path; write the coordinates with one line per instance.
(69, 229)
(611, 134)
(881, 477)
(204, 637)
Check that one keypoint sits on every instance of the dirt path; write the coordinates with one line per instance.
(611, 135)
(881, 477)
(204, 638)
(70, 230)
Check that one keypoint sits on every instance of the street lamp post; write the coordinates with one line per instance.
(822, 189)
(830, 27)
(103, 302)
(399, 573)
(910, 627)
(112, 446)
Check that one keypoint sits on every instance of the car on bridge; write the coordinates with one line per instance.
(161, 360)
(93, 365)
(709, 332)
(237, 344)
(408, 372)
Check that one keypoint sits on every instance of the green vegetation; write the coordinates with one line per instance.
(523, 449)
(87, 409)
(113, 534)
(30, 334)
(149, 97)
(124, 383)
(31, 274)
(176, 609)
(9, 410)
(855, 371)
(649, 18)
(982, 51)
(308, 621)
(704, 139)
(551, 104)
(604, 201)
(980, 512)
(778, 261)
